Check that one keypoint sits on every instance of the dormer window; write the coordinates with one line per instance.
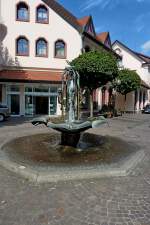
(41, 48)
(42, 14)
(60, 49)
(22, 46)
(118, 51)
(22, 12)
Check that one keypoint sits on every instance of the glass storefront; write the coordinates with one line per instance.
(32, 99)
(53, 105)
(41, 100)
(29, 106)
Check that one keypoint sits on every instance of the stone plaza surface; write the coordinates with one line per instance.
(103, 201)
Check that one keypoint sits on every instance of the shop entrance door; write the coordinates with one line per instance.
(41, 105)
(15, 104)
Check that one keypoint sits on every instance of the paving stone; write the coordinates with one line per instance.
(107, 201)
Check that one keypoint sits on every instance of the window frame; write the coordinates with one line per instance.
(22, 20)
(46, 55)
(36, 14)
(65, 49)
(17, 39)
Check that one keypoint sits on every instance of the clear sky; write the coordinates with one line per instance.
(127, 20)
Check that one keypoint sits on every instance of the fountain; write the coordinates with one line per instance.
(70, 153)
(69, 98)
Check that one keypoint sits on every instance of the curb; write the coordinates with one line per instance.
(85, 173)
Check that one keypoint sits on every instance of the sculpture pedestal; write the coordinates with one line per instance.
(70, 139)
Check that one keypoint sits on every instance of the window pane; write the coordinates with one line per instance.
(28, 89)
(22, 12)
(42, 14)
(13, 88)
(29, 105)
(41, 89)
(53, 89)
(22, 46)
(60, 49)
(41, 48)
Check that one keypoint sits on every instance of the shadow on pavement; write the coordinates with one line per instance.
(14, 121)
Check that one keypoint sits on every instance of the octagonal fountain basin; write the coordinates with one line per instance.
(41, 158)
(45, 150)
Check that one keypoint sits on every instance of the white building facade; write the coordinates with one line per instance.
(39, 37)
(135, 101)
(33, 55)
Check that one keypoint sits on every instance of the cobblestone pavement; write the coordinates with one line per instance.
(107, 201)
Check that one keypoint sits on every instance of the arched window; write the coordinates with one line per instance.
(22, 46)
(22, 12)
(118, 51)
(60, 49)
(41, 48)
(42, 14)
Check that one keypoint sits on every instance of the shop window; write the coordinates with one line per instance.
(41, 89)
(13, 88)
(60, 49)
(28, 89)
(22, 12)
(22, 46)
(53, 90)
(41, 48)
(42, 14)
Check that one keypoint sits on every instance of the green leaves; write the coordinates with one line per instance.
(95, 68)
(129, 81)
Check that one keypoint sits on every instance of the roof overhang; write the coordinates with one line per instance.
(30, 76)
(101, 44)
(145, 64)
(64, 13)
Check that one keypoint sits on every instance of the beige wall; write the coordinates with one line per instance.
(122, 105)
(57, 28)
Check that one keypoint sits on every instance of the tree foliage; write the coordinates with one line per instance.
(129, 81)
(96, 68)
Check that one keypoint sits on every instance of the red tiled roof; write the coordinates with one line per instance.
(30, 76)
(83, 21)
(102, 36)
(64, 13)
(74, 21)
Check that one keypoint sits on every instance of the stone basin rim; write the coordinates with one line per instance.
(36, 176)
